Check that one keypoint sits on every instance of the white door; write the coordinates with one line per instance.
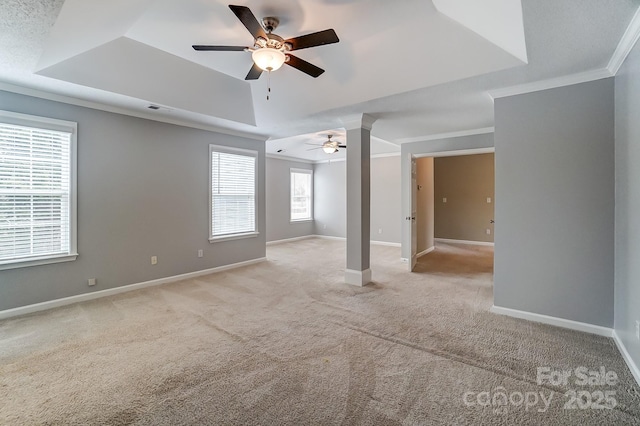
(412, 218)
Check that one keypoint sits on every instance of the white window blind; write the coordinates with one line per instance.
(233, 192)
(301, 194)
(35, 193)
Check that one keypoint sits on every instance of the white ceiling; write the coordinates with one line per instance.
(420, 67)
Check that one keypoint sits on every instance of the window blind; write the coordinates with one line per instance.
(300, 195)
(35, 192)
(233, 193)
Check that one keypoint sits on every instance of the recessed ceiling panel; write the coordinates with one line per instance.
(85, 24)
(131, 68)
(309, 146)
(385, 48)
(499, 21)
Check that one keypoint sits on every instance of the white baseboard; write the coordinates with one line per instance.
(359, 278)
(289, 240)
(384, 243)
(627, 357)
(558, 322)
(37, 307)
(472, 243)
(376, 243)
(427, 251)
(329, 237)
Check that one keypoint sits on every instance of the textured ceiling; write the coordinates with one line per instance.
(420, 67)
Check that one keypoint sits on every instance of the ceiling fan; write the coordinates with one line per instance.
(329, 146)
(269, 50)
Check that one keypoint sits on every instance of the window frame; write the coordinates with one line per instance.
(237, 151)
(311, 209)
(45, 123)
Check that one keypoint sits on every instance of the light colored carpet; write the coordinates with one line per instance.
(286, 342)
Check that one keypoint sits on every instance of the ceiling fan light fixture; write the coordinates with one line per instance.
(329, 149)
(268, 58)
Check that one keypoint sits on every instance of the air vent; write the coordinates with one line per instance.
(160, 108)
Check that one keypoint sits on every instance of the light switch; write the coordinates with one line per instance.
(488, 200)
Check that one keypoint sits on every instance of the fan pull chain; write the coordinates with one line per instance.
(268, 84)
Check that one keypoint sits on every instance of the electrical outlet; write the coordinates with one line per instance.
(380, 231)
(488, 231)
(638, 330)
(200, 253)
(488, 200)
(154, 260)
(444, 199)
(324, 226)
(91, 282)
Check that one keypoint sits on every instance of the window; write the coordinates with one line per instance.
(301, 195)
(233, 193)
(37, 190)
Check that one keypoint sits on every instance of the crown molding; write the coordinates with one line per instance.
(480, 131)
(41, 94)
(288, 158)
(337, 160)
(628, 40)
(456, 153)
(374, 138)
(552, 83)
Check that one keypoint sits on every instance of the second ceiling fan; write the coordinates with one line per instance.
(270, 51)
(328, 146)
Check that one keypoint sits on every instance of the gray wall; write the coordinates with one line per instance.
(465, 181)
(555, 202)
(142, 191)
(425, 204)
(627, 238)
(330, 199)
(427, 148)
(385, 199)
(278, 187)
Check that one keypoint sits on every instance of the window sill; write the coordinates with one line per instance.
(233, 237)
(301, 221)
(35, 261)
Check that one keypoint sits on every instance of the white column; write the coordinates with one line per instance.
(358, 199)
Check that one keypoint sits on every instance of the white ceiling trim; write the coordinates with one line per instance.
(566, 80)
(287, 158)
(385, 141)
(457, 153)
(471, 132)
(628, 40)
(108, 108)
(384, 155)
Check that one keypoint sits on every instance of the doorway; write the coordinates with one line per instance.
(451, 201)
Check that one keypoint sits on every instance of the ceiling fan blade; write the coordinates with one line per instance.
(304, 66)
(313, 39)
(254, 73)
(247, 18)
(312, 149)
(203, 47)
(342, 146)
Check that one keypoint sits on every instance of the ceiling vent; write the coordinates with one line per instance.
(154, 107)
